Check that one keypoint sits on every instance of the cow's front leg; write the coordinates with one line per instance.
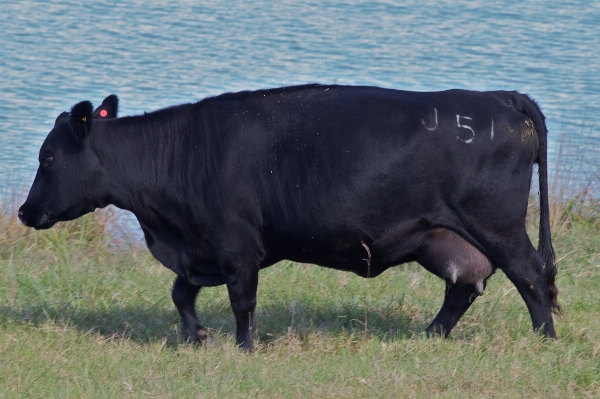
(242, 283)
(184, 297)
(458, 299)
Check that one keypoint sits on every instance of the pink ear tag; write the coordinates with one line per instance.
(103, 113)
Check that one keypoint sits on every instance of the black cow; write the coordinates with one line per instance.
(351, 178)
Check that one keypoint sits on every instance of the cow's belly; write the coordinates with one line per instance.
(192, 263)
(362, 256)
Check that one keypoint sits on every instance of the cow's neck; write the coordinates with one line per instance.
(137, 164)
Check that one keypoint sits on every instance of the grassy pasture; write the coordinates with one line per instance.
(84, 315)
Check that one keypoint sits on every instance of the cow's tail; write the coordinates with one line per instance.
(527, 106)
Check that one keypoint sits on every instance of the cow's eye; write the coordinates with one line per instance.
(47, 160)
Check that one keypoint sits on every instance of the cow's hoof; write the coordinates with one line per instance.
(202, 335)
(199, 338)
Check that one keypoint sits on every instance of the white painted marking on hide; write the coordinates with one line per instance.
(465, 127)
(492, 130)
(431, 129)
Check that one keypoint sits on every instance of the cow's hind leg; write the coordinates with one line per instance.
(242, 284)
(456, 302)
(184, 297)
(526, 270)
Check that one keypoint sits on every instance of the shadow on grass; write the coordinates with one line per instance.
(142, 325)
(147, 324)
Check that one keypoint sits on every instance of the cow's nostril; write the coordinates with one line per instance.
(21, 216)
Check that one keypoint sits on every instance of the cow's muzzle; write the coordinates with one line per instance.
(28, 217)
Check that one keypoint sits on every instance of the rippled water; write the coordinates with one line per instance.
(153, 54)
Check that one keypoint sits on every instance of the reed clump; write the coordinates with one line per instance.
(574, 188)
(90, 233)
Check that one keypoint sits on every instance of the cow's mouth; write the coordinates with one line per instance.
(43, 226)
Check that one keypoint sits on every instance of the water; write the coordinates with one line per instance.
(153, 54)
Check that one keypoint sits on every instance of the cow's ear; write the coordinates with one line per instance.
(81, 119)
(62, 118)
(108, 109)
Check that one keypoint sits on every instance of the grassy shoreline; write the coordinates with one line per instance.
(84, 316)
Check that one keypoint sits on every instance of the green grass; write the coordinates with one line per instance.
(83, 316)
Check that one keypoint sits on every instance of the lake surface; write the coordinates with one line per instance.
(153, 54)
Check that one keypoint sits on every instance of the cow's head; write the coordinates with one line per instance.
(67, 184)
